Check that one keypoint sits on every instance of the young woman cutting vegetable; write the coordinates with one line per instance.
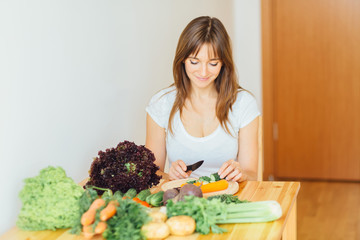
(205, 114)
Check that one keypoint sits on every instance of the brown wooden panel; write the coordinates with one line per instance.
(267, 86)
(316, 53)
(328, 210)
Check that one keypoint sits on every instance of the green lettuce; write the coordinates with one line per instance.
(49, 201)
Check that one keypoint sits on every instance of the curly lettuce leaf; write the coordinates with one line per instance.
(50, 201)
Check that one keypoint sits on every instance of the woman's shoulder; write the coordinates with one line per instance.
(160, 106)
(165, 95)
(244, 98)
(244, 110)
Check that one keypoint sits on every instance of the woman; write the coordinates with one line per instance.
(205, 114)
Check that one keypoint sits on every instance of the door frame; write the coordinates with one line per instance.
(268, 88)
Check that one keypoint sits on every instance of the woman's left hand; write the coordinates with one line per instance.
(231, 171)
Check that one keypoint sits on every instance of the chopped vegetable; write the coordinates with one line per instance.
(215, 186)
(49, 201)
(181, 225)
(123, 167)
(204, 179)
(214, 177)
(208, 213)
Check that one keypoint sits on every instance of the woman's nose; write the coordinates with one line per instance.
(203, 70)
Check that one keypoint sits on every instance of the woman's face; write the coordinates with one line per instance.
(203, 68)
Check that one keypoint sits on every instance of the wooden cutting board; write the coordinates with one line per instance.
(232, 188)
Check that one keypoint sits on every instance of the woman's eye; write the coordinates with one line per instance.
(193, 62)
(214, 64)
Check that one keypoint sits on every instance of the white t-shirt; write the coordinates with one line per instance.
(215, 148)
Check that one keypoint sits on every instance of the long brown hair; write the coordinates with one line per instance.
(200, 31)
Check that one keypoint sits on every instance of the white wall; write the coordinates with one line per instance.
(75, 77)
(247, 46)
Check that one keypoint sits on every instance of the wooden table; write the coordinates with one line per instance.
(285, 193)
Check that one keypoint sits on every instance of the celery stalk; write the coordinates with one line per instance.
(262, 211)
(209, 213)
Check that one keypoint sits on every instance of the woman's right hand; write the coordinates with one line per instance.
(177, 170)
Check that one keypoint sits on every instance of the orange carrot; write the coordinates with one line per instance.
(97, 203)
(89, 216)
(144, 203)
(88, 231)
(109, 211)
(100, 227)
(215, 186)
(135, 199)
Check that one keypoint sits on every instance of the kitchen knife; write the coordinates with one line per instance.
(194, 166)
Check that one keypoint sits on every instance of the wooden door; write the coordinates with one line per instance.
(312, 88)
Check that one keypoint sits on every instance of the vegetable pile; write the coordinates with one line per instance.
(50, 201)
(127, 216)
(116, 216)
(124, 167)
(209, 213)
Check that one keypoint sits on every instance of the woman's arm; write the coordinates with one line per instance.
(248, 155)
(155, 141)
(246, 165)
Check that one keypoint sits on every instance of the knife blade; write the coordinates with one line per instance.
(194, 166)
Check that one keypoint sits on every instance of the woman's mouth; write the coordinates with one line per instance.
(202, 78)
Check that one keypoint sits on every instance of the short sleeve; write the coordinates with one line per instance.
(159, 107)
(246, 109)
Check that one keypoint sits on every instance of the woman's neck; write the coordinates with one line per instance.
(203, 93)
